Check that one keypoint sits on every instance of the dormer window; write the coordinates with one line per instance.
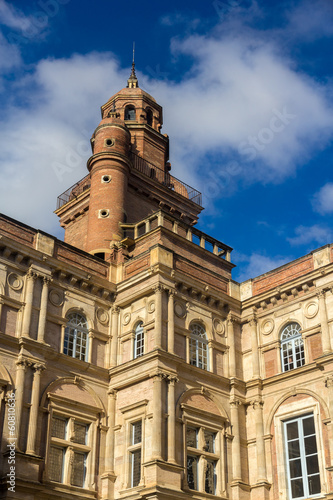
(130, 113)
(149, 117)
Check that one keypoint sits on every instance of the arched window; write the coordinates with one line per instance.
(130, 113)
(198, 346)
(76, 337)
(149, 117)
(139, 340)
(292, 347)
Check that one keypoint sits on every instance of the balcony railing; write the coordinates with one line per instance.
(160, 218)
(146, 168)
(74, 191)
(168, 180)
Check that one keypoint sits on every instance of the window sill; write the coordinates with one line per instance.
(74, 490)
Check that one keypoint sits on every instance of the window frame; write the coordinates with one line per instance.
(199, 346)
(139, 350)
(289, 412)
(285, 352)
(77, 329)
(304, 476)
(69, 446)
(215, 425)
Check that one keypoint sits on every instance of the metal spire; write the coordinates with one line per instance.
(132, 82)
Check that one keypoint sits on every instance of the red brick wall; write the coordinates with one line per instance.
(271, 365)
(286, 273)
(76, 232)
(315, 348)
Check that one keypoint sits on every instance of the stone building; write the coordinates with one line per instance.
(134, 367)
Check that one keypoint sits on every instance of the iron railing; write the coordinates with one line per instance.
(163, 177)
(146, 168)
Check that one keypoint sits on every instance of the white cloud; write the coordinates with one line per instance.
(304, 235)
(236, 89)
(322, 201)
(12, 17)
(311, 19)
(256, 264)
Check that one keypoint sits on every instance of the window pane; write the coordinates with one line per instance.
(192, 465)
(292, 430)
(191, 437)
(293, 449)
(193, 352)
(139, 341)
(55, 464)
(80, 433)
(297, 490)
(310, 445)
(136, 432)
(210, 478)
(295, 468)
(136, 467)
(312, 464)
(78, 469)
(210, 441)
(308, 426)
(58, 427)
(314, 484)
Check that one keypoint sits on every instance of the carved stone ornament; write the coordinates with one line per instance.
(151, 306)
(218, 326)
(180, 310)
(102, 316)
(14, 281)
(126, 318)
(267, 326)
(311, 309)
(56, 297)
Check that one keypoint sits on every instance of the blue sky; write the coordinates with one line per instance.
(246, 89)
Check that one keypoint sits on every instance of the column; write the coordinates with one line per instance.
(114, 343)
(254, 346)
(1, 304)
(325, 334)
(260, 442)
(29, 295)
(171, 321)
(158, 316)
(157, 417)
(329, 385)
(236, 453)
(43, 309)
(210, 356)
(232, 350)
(91, 337)
(109, 446)
(33, 417)
(19, 390)
(187, 340)
(172, 420)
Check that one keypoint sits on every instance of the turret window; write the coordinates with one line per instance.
(149, 117)
(130, 113)
(139, 340)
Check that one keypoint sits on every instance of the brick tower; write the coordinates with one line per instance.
(129, 175)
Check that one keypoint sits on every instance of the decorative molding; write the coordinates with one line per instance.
(56, 297)
(311, 309)
(126, 318)
(102, 316)
(180, 310)
(15, 281)
(151, 306)
(218, 326)
(267, 326)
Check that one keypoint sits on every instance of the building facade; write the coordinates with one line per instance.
(132, 365)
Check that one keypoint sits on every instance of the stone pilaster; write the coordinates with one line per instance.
(231, 343)
(325, 334)
(43, 309)
(254, 346)
(157, 417)
(1, 304)
(171, 321)
(114, 343)
(109, 445)
(33, 417)
(260, 442)
(158, 316)
(22, 365)
(29, 295)
(329, 385)
(172, 419)
(236, 451)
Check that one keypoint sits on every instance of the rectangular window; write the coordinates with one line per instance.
(135, 452)
(302, 456)
(210, 441)
(192, 472)
(192, 437)
(68, 451)
(210, 477)
(56, 464)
